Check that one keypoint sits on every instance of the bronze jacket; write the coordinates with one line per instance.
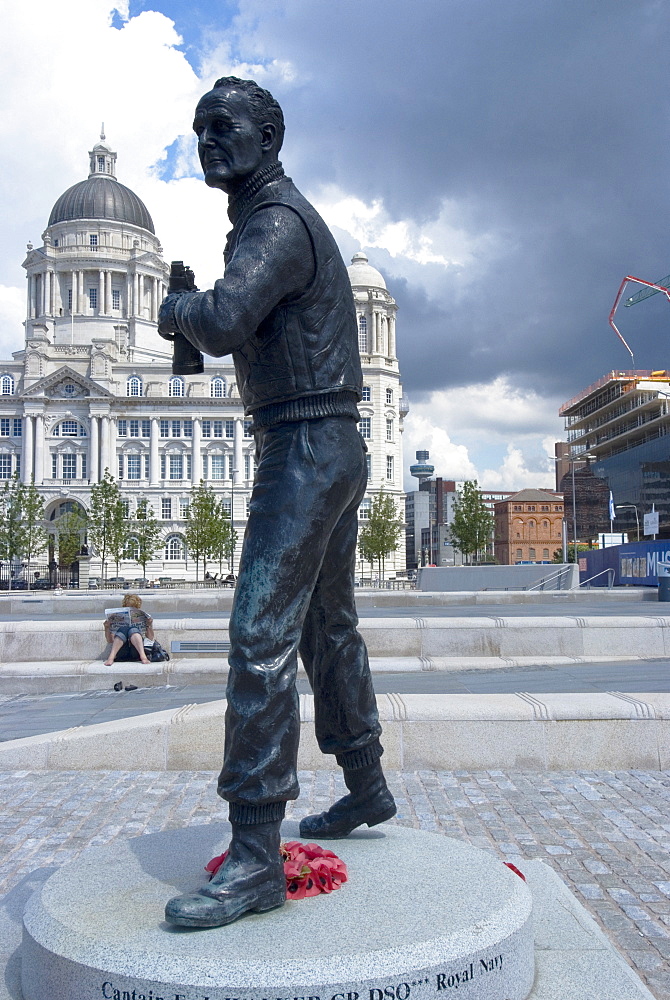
(296, 355)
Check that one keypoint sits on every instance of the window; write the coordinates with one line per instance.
(389, 430)
(558, 507)
(517, 506)
(120, 466)
(176, 387)
(217, 466)
(116, 298)
(166, 508)
(146, 428)
(165, 428)
(93, 240)
(226, 506)
(69, 389)
(368, 465)
(4, 427)
(134, 426)
(146, 466)
(69, 428)
(217, 428)
(217, 388)
(531, 553)
(364, 428)
(69, 466)
(247, 429)
(364, 509)
(544, 506)
(93, 298)
(206, 428)
(389, 396)
(174, 548)
(362, 334)
(230, 428)
(122, 428)
(531, 523)
(519, 554)
(188, 428)
(101, 164)
(531, 506)
(545, 553)
(176, 467)
(134, 386)
(6, 385)
(545, 524)
(134, 466)
(183, 509)
(5, 466)
(126, 508)
(176, 428)
(69, 299)
(367, 394)
(18, 427)
(54, 466)
(248, 466)
(389, 466)
(83, 466)
(132, 549)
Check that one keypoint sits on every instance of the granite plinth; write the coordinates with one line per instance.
(422, 916)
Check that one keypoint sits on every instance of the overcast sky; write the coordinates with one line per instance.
(504, 163)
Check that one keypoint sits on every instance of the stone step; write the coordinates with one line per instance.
(444, 732)
(602, 637)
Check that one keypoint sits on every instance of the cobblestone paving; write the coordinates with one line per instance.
(607, 834)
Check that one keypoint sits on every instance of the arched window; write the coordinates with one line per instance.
(362, 334)
(176, 387)
(174, 548)
(389, 395)
(134, 386)
(69, 429)
(132, 549)
(217, 388)
(531, 525)
(6, 385)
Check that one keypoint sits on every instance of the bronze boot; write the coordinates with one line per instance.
(369, 801)
(251, 880)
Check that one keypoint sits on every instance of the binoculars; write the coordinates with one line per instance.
(186, 359)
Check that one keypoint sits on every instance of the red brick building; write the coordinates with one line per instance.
(528, 527)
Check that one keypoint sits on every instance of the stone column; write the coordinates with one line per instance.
(104, 449)
(101, 293)
(140, 303)
(93, 455)
(39, 449)
(29, 298)
(196, 459)
(108, 293)
(113, 464)
(129, 295)
(73, 296)
(154, 458)
(392, 348)
(238, 452)
(136, 295)
(27, 449)
(154, 300)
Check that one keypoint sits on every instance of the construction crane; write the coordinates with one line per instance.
(650, 288)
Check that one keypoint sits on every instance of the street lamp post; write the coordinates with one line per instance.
(622, 506)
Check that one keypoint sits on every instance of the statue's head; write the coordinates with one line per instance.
(240, 128)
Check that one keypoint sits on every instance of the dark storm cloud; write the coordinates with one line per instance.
(548, 120)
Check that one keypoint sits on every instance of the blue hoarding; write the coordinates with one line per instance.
(634, 564)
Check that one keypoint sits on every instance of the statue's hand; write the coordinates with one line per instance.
(167, 326)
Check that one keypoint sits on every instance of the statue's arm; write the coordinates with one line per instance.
(273, 261)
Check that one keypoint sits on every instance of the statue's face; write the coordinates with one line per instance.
(231, 146)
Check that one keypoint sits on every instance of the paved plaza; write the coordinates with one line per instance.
(607, 834)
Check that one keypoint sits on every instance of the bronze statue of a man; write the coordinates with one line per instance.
(284, 309)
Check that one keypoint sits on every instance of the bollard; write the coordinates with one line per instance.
(663, 581)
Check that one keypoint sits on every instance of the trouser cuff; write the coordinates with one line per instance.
(247, 814)
(354, 760)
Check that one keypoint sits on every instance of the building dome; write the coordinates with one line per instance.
(101, 198)
(362, 273)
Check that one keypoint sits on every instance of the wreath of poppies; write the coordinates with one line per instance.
(309, 869)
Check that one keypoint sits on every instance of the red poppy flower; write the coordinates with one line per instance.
(309, 869)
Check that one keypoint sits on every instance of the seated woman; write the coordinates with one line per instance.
(118, 631)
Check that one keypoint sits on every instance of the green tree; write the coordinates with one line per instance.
(106, 515)
(202, 525)
(378, 536)
(472, 522)
(225, 538)
(35, 534)
(69, 529)
(12, 531)
(146, 531)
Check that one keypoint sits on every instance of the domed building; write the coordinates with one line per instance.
(93, 387)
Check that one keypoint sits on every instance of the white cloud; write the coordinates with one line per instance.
(494, 432)
(12, 315)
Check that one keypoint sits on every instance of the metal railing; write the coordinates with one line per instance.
(610, 582)
(548, 579)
